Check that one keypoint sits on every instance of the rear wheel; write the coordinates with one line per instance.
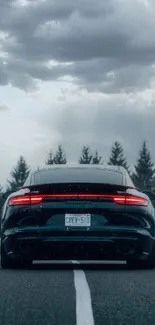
(140, 264)
(9, 263)
(149, 263)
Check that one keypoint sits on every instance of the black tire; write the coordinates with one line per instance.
(149, 263)
(135, 264)
(9, 263)
(6, 262)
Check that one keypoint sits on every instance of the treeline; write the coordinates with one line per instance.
(143, 176)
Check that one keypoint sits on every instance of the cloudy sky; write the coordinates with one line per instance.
(75, 72)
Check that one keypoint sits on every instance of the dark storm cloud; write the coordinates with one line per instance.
(111, 44)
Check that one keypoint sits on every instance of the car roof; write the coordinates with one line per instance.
(95, 168)
(68, 166)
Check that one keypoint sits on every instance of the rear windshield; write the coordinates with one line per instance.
(78, 175)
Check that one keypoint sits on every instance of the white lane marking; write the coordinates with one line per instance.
(84, 312)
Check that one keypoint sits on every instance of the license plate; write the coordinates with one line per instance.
(78, 220)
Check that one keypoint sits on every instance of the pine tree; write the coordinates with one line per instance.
(153, 184)
(50, 160)
(19, 175)
(1, 198)
(144, 169)
(96, 159)
(117, 156)
(86, 156)
(60, 157)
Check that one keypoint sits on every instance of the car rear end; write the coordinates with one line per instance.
(78, 213)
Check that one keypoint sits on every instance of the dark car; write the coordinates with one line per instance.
(78, 212)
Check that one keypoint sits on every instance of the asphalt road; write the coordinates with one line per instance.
(82, 294)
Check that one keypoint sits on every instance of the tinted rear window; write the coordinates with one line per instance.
(78, 175)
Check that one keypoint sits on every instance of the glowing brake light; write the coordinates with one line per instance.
(18, 200)
(134, 200)
(25, 200)
(118, 199)
(130, 200)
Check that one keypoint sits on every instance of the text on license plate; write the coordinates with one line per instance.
(78, 220)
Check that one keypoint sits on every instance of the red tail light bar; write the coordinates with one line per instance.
(118, 199)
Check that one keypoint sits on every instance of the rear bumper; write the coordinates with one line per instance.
(120, 244)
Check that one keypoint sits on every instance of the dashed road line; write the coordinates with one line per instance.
(84, 312)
